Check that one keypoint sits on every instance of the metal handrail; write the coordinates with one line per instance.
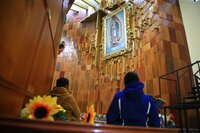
(180, 69)
(178, 92)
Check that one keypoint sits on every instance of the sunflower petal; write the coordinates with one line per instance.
(46, 102)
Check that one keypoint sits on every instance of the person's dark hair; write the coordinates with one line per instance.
(62, 82)
(131, 76)
(62, 45)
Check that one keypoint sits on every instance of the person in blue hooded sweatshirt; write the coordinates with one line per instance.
(131, 106)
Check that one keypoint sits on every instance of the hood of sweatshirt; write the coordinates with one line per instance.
(60, 91)
(134, 90)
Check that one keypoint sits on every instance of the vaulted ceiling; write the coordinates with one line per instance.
(87, 5)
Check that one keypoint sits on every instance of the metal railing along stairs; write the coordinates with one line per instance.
(186, 92)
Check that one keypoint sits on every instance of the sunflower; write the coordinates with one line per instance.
(89, 116)
(42, 107)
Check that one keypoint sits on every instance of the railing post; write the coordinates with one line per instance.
(191, 78)
(178, 89)
(159, 87)
(199, 68)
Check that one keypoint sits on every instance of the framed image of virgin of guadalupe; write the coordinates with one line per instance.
(116, 33)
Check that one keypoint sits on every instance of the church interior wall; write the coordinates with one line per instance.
(30, 61)
(160, 47)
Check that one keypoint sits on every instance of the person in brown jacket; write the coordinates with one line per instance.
(66, 99)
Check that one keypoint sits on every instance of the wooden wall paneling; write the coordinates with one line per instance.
(54, 8)
(19, 35)
(155, 87)
(169, 64)
(58, 34)
(162, 64)
(27, 52)
(142, 70)
(155, 67)
(153, 56)
(181, 39)
(172, 34)
(11, 100)
(174, 50)
(149, 87)
(41, 74)
(77, 79)
(86, 81)
(165, 33)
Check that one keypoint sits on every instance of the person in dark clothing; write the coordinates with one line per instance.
(131, 106)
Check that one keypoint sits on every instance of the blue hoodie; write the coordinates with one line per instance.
(134, 108)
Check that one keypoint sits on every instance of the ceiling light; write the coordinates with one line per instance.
(195, 0)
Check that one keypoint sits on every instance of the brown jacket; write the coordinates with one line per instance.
(67, 101)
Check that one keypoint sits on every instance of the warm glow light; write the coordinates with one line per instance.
(97, 131)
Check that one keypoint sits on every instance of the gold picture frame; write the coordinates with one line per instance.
(116, 35)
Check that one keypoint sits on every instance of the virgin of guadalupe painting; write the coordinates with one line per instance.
(115, 29)
(115, 33)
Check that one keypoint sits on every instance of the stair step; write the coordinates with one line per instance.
(194, 93)
(196, 87)
(192, 97)
(192, 102)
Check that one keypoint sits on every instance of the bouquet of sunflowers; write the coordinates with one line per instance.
(44, 108)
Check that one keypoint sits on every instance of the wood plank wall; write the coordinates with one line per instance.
(160, 49)
(30, 32)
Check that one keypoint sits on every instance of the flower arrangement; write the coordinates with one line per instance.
(100, 119)
(89, 116)
(170, 121)
(45, 108)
